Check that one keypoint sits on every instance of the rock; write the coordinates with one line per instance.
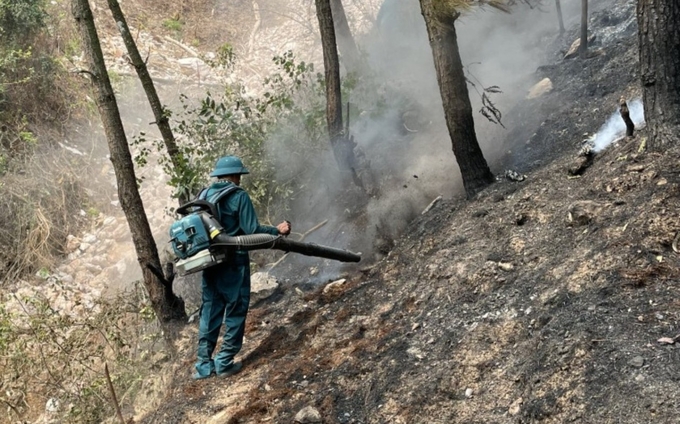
(333, 285)
(583, 212)
(52, 405)
(469, 392)
(262, 285)
(539, 89)
(506, 266)
(89, 238)
(515, 406)
(84, 246)
(110, 220)
(637, 362)
(94, 269)
(415, 353)
(573, 50)
(635, 168)
(65, 278)
(307, 415)
(579, 165)
(72, 243)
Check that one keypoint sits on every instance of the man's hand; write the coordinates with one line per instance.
(284, 228)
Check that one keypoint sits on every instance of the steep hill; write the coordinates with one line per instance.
(549, 300)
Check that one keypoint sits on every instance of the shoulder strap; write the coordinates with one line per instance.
(215, 198)
(218, 196)
(201, 194)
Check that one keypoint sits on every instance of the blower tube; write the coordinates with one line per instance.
(268, 241)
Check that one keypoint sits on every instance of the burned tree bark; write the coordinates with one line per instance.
(625, 115)
(159, 112)
(583, 47)
(342, 144)
(455, 98)
(346, 45)
(560, 19)
(166, 305)
(659, 44)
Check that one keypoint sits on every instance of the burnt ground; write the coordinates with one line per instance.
(539, 301)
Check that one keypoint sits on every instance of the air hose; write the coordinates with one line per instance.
(268, 241)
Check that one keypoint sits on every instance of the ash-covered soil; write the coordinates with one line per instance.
(538, 301)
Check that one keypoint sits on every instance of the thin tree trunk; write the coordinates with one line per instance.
(331, 63)
(159, 112)
(166, 305)
(625, 115)
(659, 43)
(456, 100)
(583, 48)
(558, 6)
(346, 45)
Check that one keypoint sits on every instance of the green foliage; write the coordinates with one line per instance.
(173, 24)
(285, 122)
(224, 59)
(20, 19)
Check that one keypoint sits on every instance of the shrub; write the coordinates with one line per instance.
(50, 354)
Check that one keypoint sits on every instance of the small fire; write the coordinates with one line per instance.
(614, 127)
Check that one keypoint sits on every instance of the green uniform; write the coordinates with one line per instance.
(226, 287)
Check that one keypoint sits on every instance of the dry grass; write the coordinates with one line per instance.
(39, 209)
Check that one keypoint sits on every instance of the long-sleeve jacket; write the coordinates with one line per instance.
(237, 214)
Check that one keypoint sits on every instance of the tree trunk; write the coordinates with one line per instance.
(583, 48)
(159, 113)
(342, 148)
(346, 45)
(166, 305)
(659, 43)
(558, 6)
(456, 100)
(625, 115)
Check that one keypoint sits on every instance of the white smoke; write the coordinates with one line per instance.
(615, 127)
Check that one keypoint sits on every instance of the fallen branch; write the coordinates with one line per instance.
(182, 46)
(302, 237)
(431, 205)
(113, 393)
(256, 27)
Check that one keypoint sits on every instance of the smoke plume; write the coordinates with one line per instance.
(614, 127)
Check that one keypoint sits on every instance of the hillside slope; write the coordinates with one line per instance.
(539, 301)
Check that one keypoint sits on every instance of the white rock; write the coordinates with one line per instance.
(515, 406)
(334, 284)
(469, 392)
(262, 285)
(506, 266)
(541, 88)
(89, 238)
(308, 415)
(52, 405)
(84, 246)
(66, 278)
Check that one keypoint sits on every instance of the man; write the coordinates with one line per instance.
(226, 287)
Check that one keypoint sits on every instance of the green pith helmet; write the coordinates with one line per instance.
(229, 165)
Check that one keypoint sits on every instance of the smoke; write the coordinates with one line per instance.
(401, 127)
(614, 126)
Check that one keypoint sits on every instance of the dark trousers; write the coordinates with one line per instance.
(226, 296)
